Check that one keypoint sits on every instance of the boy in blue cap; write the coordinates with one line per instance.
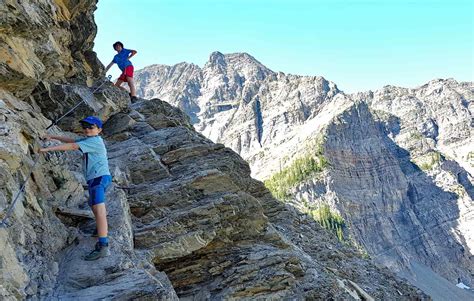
(97, 174)
(122, 59)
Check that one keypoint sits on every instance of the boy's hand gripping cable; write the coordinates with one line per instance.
(9, 211)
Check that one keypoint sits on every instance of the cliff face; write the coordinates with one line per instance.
(402, 216)
(399, 165)
(439, 111)
(46, 41)
(186, 219)
(46, 62)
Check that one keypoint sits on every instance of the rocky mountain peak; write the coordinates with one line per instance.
(216, 58)
(443, 81)
(240, 62)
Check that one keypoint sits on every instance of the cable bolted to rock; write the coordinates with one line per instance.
(3, 223)
(78, 104)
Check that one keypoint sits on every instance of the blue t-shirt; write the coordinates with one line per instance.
(121, 59)
(95, 163)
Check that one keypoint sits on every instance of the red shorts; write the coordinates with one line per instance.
(127, 72)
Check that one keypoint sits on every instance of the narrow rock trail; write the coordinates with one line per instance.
(119, 276)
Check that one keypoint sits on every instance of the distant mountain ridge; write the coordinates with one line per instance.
(400, 157)
(238, 89)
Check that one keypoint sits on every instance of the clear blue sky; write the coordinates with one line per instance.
(358, 44)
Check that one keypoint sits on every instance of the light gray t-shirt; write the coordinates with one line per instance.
(95, 163)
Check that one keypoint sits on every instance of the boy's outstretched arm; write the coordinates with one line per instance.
(108, 66)
(62, 147)
(133, 52)
(59, 138)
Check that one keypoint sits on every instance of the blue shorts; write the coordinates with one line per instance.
(97, 188)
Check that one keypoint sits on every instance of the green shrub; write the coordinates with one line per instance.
(415, 135)
(459, 190)
(433, 158)
(470, 158)
(301, 169)
(329, 220)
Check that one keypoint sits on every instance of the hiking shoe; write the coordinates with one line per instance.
(133, 98)
(98, 252)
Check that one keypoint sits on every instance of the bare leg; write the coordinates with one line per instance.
(100, 214)
(119, 84)
(131, 85)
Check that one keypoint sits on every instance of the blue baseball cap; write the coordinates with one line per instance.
(92, 120)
